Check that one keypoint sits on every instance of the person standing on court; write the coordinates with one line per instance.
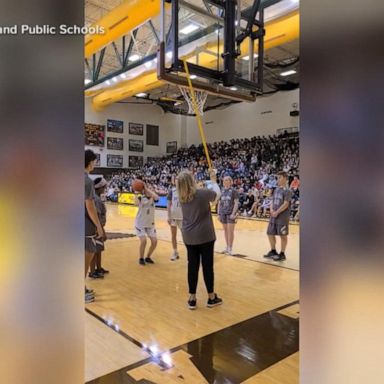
(145, 223)
(93, 227)
(279, 219)
(227, 211)
(175, 215)
(96, 270)
(198, 233)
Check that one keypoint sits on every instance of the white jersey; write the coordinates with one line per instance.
(145, 217)
(173, 197)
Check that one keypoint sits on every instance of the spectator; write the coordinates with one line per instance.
(175, 216)
(93, 228)
(295, 184)
(251, 162)
(227, 212)
(96, 270)
(249, 202)
(279, 221)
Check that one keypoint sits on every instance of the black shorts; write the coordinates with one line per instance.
(90, 244)
(99, 245)
(277, 229)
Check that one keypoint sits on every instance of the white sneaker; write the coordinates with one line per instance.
(230, 252)
(225, 251)
(175, 256)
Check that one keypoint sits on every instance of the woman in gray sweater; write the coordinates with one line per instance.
(198, 233)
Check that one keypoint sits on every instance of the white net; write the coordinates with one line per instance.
(200, 98)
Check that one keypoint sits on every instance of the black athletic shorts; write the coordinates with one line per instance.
(277, 229)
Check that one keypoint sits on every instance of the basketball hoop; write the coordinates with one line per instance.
(200, 97)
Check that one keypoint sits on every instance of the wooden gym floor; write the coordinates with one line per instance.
(139, 329)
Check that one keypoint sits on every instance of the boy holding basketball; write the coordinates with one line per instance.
(145, 222)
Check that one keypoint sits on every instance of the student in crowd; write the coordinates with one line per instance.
(295, 184)
(198, 233)
(227, 211)
(97, 271)
(264, 206)
(279, 217)
(145, 223)
(93, 227)
(175, 216)
(249, 201)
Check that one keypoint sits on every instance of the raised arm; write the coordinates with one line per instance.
(151, 193)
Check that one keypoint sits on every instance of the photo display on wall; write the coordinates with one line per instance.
(136, 129)
(116, 143)
(135, 161)
(97, 162)
(172, 147)
(136, 145)
(94, 134)
(116, 126)
(152, 159)
(115, 161)
(152, 134)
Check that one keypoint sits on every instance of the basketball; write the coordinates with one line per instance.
(137, 185)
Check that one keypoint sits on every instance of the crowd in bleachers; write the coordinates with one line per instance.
(252, 163)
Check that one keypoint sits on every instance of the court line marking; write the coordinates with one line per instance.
(242, 258)
(245, 257)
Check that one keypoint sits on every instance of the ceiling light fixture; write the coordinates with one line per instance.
(141, 94)
(134, 57)
(189, 29)
(192, 77)
(287, 73)
(246, 58)
(87, 81)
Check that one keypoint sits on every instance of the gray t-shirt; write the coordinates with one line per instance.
(227, 201)
(197, 218)
(279, 196)
(90, 228)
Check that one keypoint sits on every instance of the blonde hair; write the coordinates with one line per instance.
(229, 178)
(186, 186)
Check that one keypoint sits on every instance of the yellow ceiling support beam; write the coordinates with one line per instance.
(278, 32)
(122, 19)
(144, 83)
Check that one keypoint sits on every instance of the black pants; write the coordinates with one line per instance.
(203, 252)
